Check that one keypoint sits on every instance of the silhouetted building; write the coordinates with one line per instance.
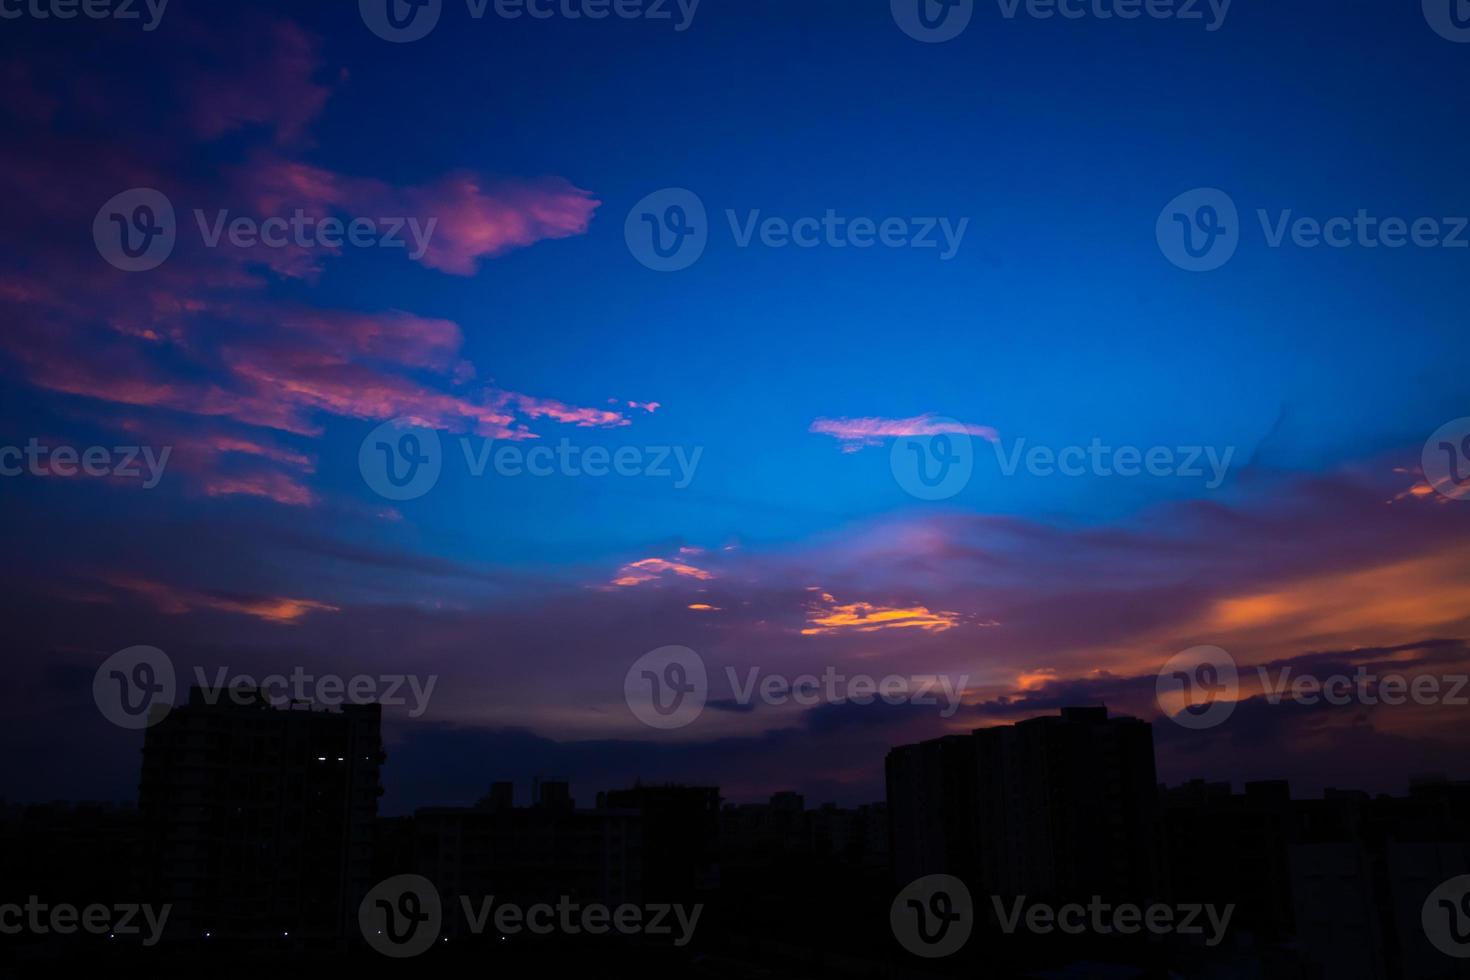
(752, 834)
(1206, 830)
(680, 837)
(527, 855)
(79, 853)
(934, 808)
(1341, 879)
(502, 797)
(1056, 808)
(259, 820)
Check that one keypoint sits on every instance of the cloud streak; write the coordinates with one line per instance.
(856, 433)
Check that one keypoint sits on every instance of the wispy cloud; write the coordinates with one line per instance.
(855, 433)
(176, 600)
(653, 569)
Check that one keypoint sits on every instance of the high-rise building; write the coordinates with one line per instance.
(680, 837)
(528, 855)
(258, 819)
(1057, 807)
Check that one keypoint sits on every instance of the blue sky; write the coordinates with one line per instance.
(1058, 321)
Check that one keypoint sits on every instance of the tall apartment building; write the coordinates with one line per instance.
(258, 820)
(1058, 807)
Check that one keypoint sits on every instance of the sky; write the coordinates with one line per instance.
(771, 396)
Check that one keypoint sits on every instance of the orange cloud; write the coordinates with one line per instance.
(176, 601)
(829, 616)
(1366, 606)
(649, 569)
(1035, 680)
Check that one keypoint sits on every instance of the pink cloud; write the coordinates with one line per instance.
(223, 464)
(258, 76)
(463, 217)
(478, 218)
(859, 432)
(549, 408)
